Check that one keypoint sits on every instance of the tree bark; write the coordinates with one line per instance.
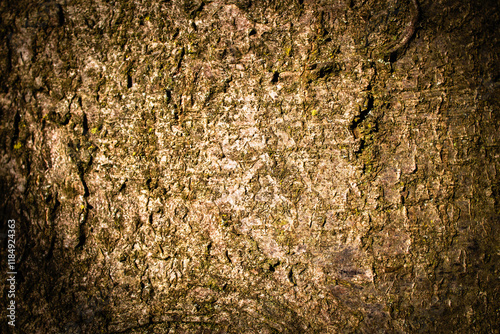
(251, 166)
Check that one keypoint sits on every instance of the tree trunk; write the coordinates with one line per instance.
(251, 166)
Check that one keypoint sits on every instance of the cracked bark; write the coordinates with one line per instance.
(251, 166)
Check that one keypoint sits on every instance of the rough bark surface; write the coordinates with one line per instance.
(252, 166)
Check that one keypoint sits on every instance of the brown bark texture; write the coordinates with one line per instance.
(251, 166)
